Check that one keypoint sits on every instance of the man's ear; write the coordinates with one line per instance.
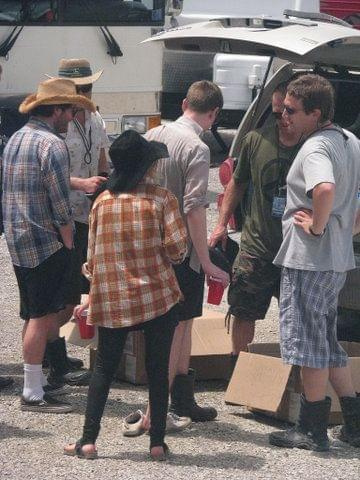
(185, 105)
(317, 114)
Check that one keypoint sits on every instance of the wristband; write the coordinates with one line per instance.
(316, 234)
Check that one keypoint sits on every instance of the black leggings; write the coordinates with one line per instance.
(158, 338)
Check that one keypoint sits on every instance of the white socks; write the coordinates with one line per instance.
(33, 382)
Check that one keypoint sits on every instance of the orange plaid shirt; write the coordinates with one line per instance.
(134, 238)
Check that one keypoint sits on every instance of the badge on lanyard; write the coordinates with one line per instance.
(279, 203)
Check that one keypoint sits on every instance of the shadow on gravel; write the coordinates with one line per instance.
(223, 432)
(12, 369)
(9, 431)
(232, 461)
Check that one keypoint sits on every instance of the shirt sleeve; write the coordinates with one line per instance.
(92, 240)
(196, 178)
(174, 231)
(317, 168)
(104, 140)
(56, 177)
(242, 172)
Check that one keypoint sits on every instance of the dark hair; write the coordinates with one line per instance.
(48, 110)
(204, 96)
(316, 93)
(281, 88)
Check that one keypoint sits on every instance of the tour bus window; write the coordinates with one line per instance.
(113, 12)
(27, 12)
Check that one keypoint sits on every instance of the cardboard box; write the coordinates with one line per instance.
(262, 382)
(211, 346)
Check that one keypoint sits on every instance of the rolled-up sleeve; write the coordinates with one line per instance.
(174, 233)
(196, 178)
(56, 177)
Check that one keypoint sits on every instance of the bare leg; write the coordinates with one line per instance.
(315, 382)
(341, 381)
(35, 336)
(243, 332)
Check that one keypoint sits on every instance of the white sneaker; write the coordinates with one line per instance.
(132, 425)
(174, 423)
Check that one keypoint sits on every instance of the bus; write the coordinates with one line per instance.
(35, 35)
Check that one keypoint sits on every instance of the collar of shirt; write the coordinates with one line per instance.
(40, 124)
(188, 122)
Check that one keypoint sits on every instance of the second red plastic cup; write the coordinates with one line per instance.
(86, 331)
(216, 291)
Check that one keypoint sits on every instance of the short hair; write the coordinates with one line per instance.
(316, 92)
(48, 110)
(204, 96)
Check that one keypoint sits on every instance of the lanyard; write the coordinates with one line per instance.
(281, 182)
(87, 142)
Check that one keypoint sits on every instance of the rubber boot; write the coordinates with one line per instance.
(59, 367)
(183, 401)
(350, 431)
(310, 432)
(74, 363)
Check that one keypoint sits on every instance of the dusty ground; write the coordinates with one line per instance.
(233, 447)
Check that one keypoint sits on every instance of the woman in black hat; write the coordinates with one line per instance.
(135, 234)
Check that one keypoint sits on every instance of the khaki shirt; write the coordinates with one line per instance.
(186, 172)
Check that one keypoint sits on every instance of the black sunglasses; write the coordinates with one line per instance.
(291, 111)
(84, 88)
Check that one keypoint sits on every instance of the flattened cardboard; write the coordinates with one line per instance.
(262, 382)
(72, 335)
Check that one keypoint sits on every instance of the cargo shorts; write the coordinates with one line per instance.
(255, 281)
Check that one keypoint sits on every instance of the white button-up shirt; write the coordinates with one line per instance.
(84, 149)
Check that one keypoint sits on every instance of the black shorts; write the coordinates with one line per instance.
(191, 284)
(255, 281)
(78, 283)
(44, 289)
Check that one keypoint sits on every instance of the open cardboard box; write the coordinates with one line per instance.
(210, 357)
(262, 382)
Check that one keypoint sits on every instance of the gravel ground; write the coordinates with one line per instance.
(233, 447)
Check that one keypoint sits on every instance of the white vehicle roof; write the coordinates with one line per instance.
(300, 41)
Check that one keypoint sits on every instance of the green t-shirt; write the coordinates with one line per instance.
(263, 164)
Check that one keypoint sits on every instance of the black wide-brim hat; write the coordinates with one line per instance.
(132, 156)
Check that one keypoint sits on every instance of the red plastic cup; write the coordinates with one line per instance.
(86, 331)
(216, 291)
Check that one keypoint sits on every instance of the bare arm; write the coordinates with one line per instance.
(323, 199)
(356, 228)
(196, 221)
(66, 233)
(103, 163)
(88, 185)
(233, 195)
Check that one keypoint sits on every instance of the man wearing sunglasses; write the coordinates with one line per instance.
(316, 253)
(264, 160)
(87, 142)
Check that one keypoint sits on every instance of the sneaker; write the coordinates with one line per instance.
(54, 389)
(47, 405)
(132, 425)
(174, 423)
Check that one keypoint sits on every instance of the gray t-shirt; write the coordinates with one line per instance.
(327, 156)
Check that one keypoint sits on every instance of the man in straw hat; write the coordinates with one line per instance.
(86, 140)
(38, 227)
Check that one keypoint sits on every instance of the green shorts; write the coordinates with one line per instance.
(255, 281)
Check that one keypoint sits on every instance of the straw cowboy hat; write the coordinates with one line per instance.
(78, 70)
(56, 91)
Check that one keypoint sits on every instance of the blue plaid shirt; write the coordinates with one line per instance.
(36, 184)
